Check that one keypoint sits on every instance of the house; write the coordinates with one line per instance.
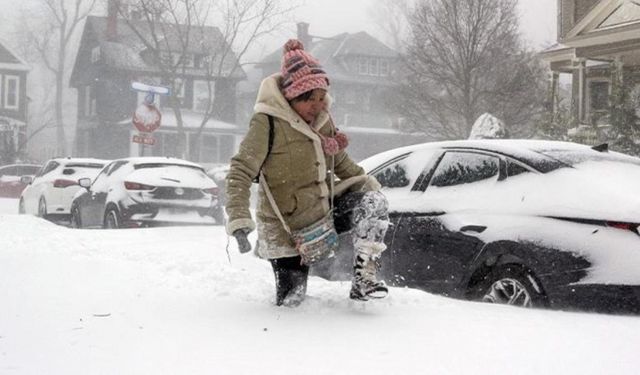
(599, 47)
(13, 104)
(112, 55)
(361, 72)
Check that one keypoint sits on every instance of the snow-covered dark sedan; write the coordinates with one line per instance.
(147, 191)
(528, 223)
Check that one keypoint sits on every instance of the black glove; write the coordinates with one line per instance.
(241, 237)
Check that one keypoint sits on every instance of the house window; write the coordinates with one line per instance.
(599, 95)
(227, 148)
(209, 148)
(179, 86)
(384, 67)
(363, 66)
(166, 144)
(202, 96)
(95, 55)
(11, 92)
(373, 67)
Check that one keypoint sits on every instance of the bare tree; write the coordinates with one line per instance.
(391, 16)
(465, 58)
(173, 28)
(52, 38)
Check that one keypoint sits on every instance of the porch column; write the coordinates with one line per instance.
(582, 90)
(553, 100)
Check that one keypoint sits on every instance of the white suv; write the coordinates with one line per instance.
(51, 190)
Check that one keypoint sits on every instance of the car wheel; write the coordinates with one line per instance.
(42, 208)
(21, 209)
(510, 284)
(112, 219)
(75, 218)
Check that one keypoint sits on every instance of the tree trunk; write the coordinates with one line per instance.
(61, 140)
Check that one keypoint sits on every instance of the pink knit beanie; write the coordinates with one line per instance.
(301, 72)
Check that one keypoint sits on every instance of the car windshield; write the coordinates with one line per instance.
(84, 165)
(161, 165)
(573, 157)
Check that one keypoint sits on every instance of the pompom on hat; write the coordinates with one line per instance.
(300, 71)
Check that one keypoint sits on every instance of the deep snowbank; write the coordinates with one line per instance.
(169, 301)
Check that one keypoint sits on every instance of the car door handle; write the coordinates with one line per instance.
(473, 228)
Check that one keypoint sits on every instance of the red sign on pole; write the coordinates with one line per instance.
(147, 118)
(144, 139)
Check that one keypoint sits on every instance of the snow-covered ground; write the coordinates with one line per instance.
(171, 301)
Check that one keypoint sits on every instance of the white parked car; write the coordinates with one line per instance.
(147, 191)
(51, 190)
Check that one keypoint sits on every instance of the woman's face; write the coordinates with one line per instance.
(309, 109)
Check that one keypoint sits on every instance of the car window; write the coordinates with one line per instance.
(52, 165)
(30, 170)
(162, 165)
(9, 171)
(395, 175)
(515, 168)
(401, 173)
(457, 168)
(109, 174)
(115, 166)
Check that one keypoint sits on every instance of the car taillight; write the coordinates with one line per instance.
(62, 183)
(136, 186)
(212, 191)
(626, 226)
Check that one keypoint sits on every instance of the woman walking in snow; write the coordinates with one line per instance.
(294, 145)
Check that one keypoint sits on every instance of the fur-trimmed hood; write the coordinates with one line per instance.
(271, 101)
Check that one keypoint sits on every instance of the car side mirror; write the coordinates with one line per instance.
(85, 182)
(27, 180)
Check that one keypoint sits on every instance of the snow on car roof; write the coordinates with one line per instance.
(161, 160)
(524, 149)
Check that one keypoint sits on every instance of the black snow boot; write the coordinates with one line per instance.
(364, 285)
(291, 281)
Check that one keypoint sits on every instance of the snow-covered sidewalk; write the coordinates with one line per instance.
(170, 301)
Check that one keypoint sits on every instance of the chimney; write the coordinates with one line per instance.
(303, 34)
(112, 20)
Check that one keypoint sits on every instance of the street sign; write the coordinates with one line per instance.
(147, 118)
(139, 86)
(144, 139)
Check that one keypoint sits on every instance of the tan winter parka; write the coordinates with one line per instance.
(296, 171)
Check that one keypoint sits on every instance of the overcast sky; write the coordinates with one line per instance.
(331, 17)
(538, 18)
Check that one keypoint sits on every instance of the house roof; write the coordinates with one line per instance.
(125, 52)
(607, 21)
(610, 29)
(10, 60)
(332, 51)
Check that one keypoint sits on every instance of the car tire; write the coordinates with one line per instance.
(510, 284)
(112, 219)
(75, 218)
(21, 209)
(42, 208)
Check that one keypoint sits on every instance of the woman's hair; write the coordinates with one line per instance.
(302, 97)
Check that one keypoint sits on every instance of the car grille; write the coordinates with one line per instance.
(174, 193)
